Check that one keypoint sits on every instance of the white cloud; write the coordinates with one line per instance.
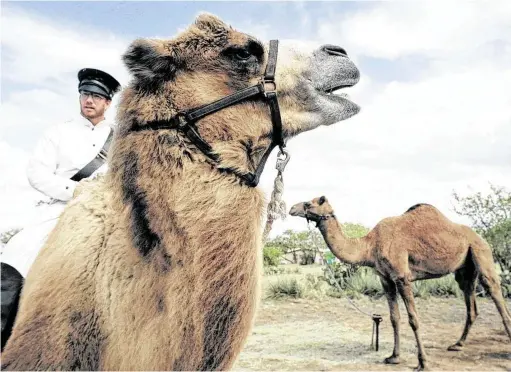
(27, 113)
(36, 50)
(394, 29)
(414, 141)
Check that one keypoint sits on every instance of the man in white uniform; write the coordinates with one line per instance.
(67, 153)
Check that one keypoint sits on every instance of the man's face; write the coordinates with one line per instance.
(93, 105)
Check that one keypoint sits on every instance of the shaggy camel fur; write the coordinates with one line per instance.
(419, 244)
(157, 266)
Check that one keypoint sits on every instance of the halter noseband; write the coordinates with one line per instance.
(185, 120)
(311, 216)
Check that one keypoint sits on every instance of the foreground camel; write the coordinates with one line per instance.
(157, 266)
(419, 244)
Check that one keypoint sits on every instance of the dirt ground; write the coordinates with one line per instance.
(328, 334)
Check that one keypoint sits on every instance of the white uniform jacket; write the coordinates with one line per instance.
(63, 150)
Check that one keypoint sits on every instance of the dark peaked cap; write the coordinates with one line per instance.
(97, 81)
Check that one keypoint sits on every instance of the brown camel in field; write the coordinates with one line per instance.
(419, 244)
(157, 265)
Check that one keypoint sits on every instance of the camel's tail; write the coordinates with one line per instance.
(483, 260)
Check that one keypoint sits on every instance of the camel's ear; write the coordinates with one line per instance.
(322, 200)
(209, 23)
(150, 61)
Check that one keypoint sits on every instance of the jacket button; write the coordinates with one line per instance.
(94, 145)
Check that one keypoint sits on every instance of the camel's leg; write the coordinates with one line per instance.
(391, 294)
(491, 282)
(466, 278)
(405, 290)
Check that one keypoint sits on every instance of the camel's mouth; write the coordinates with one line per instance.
(332, 91)
(297, 211)
(335, 88)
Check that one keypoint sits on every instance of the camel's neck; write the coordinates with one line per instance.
(352, 251)
(199, 231)
(186, 205)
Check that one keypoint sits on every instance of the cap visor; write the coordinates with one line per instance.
(94, 89)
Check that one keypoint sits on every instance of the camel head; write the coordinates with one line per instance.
(315, 210)
(209, 61)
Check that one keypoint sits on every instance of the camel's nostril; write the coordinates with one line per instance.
(334, 50)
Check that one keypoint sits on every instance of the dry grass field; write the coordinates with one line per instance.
(327, 334)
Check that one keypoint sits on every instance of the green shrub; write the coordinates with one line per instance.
(441, 287)
(289, 287)
(271, 255)
(310, 286)
(355, 281)
(338, 272)
(315, 286)
(365, 282)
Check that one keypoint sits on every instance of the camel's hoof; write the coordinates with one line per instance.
(421, 367)
(392, 360)
(455, 347)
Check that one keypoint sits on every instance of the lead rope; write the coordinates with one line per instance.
(277, 206)
(377, 318)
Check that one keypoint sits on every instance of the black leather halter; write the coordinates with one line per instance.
(185, 120)
(311, 216)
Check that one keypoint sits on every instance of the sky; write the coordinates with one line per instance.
(435, 93)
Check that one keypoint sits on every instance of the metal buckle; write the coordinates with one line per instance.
(282, 162)
(181, 120)
(264, 82)
(102, 154)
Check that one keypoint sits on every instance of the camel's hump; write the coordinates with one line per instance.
(418, 205)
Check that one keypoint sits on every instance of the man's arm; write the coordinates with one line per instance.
(42, 166)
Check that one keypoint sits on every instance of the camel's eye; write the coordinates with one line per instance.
(244, 58)
(242, 54)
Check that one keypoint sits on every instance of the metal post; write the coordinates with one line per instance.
(377, 319)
